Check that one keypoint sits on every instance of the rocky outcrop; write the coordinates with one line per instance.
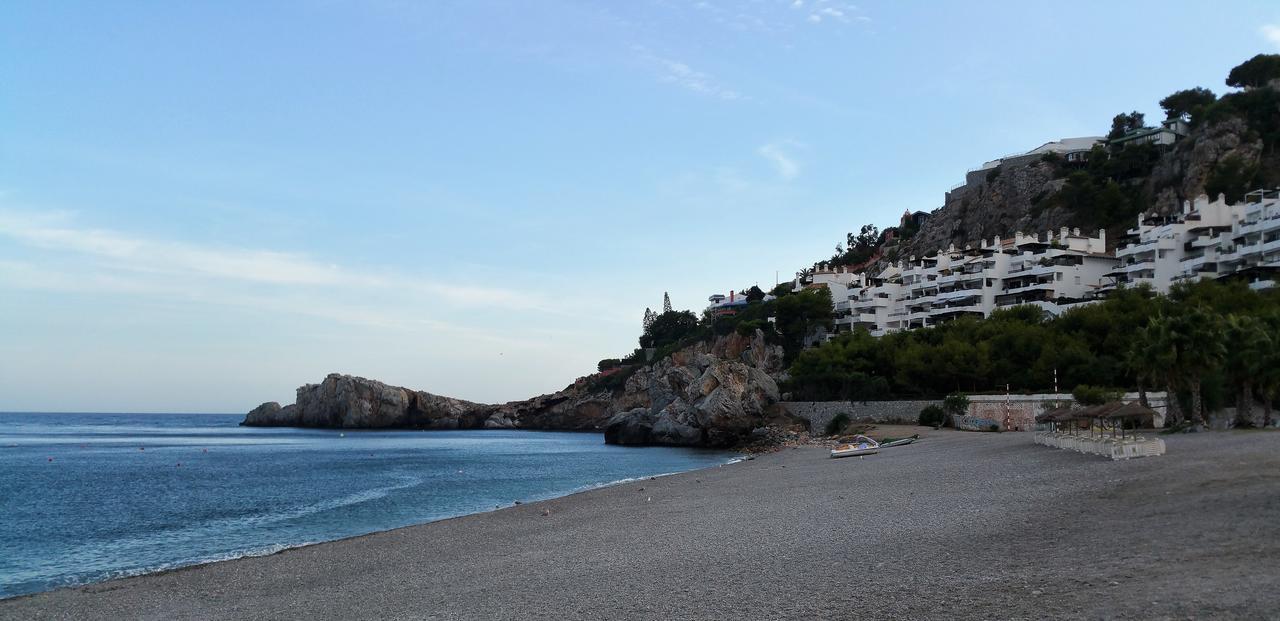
(1011, 198)
(709, 394)
(1181, 174)
(1004, 204)
(357, 403)
(712, 394)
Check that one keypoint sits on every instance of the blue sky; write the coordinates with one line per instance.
(205, 205)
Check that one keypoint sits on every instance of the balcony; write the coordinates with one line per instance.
(1030, 286)
(1136, 266)
(1245, 250)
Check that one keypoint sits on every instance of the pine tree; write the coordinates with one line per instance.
(649, 316)
(666, 302)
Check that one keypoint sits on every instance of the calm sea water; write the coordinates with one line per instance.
(86, 497)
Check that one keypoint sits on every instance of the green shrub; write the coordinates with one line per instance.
(837, 423)
(956, 404)
(1085, 394)
(932, 416)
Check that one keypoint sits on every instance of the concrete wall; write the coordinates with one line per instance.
(1010, 413)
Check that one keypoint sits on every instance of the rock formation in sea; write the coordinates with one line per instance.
(711, 393)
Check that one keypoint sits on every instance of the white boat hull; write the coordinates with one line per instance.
(852, 452)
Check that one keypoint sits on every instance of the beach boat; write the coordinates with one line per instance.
(900, 441)
(861, 445)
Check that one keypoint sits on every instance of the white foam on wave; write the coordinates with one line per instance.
(116, 574)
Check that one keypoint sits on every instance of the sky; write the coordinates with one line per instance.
(204, 205)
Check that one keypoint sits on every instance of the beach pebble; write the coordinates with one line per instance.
(546, 512)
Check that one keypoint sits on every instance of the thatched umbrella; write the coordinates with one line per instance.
(1102, 414)
(1131, 411)
(1054, 416)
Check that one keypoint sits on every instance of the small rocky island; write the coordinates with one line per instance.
(709, 394)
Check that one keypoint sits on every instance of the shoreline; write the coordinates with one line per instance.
(787, 535)
(731, 457)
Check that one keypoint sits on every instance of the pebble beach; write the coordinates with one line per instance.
(957, 526)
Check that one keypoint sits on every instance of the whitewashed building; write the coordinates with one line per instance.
(1207, 240)
(1050, 271)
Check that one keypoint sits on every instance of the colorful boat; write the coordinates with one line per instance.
(860, 445)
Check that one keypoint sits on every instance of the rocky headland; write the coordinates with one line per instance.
(714, 393)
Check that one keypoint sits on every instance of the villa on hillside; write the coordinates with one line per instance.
(719, 305)
(1072, 150)
(1169, 132)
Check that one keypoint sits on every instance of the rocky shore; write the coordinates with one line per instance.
(957, 526)
(719, 393)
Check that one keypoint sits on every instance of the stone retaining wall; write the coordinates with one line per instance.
(1009, 412)
(819, 413)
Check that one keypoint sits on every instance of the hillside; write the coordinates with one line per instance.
(1227, 145)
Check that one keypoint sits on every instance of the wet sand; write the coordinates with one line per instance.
(958, 526)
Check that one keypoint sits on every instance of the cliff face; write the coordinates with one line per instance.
(1180, 174)
(709, 394)
(706, 395)
(998, 207)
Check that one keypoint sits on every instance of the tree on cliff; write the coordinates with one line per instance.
(1231, 176)
(754, 294)
(1257, 71)
(1122, 124)
(1188, 105)
(799, 315)
(669, 328)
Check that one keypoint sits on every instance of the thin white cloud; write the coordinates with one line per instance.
(1271, 32)
(786, 165)
(681, 74)
(820, 11)
(132, 264)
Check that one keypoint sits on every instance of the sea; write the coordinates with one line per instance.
(89, 497)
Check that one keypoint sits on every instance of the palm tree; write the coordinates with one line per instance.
(1268, 378)
(1197, 338)
(1247, 349)
(1153, 355)
(1138, 361)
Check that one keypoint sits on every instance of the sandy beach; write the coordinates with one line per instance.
(958, 526)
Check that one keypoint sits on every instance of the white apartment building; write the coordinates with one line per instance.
(1207, 240)
(1049, 271)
